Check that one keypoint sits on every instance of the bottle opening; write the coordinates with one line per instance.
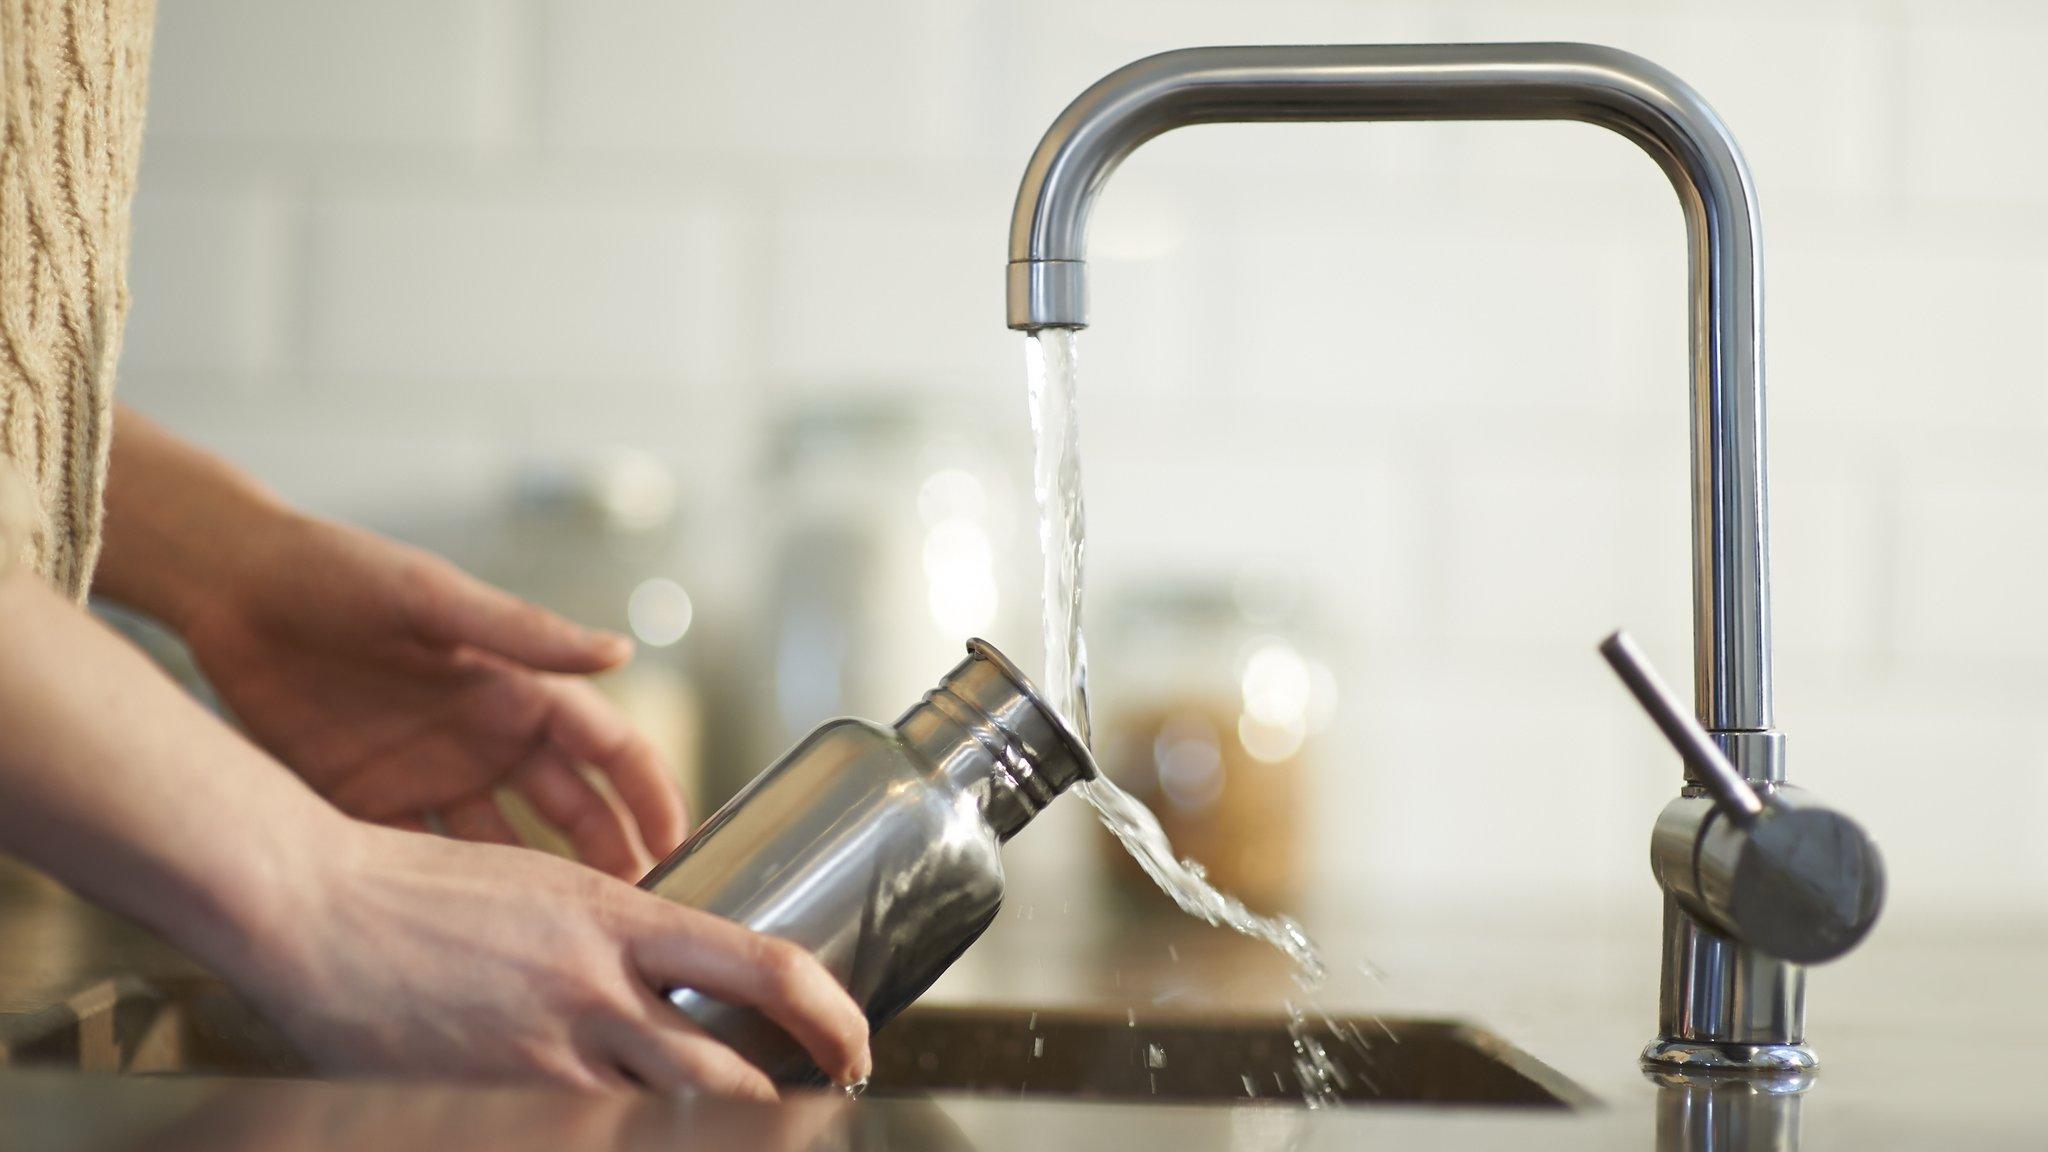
(1083, 759)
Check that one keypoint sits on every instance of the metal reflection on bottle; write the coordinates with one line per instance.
(877, 848)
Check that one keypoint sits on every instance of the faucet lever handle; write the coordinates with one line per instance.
(1731, 792)
(1794, 879)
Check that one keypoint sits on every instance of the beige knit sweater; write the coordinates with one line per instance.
(74, 75)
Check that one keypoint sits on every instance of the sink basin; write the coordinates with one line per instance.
(1207, 1058)
(201, 1029)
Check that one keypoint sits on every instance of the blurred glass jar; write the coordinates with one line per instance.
(1215, 730)
(599, 539)
(893, 525)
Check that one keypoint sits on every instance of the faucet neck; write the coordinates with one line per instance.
(1617, 90)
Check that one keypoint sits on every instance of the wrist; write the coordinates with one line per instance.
(233, 560)
(259, 931)
(185, 531)
(222, 560)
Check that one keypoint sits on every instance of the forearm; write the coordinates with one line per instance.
(179, 521)
(117, 783)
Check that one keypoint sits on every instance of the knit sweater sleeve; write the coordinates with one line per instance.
(74, 77)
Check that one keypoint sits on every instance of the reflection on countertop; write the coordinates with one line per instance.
(48, 1110)
(1578, 997)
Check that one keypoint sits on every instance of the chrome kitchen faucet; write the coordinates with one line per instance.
(1735, 871)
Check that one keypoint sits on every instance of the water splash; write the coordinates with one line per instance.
(1051, 365)
(1322, 1080)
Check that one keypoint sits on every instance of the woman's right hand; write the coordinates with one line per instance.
(411, 953)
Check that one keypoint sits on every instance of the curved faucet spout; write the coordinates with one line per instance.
(1623, 92)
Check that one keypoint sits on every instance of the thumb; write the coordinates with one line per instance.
(449, 607)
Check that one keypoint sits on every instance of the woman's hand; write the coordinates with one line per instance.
(372, 948)
(398, 687)
(402, 690)
(415, 953)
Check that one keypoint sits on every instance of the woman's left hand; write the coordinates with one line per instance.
(404, 690)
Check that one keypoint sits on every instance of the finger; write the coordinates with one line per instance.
(446, 606)
(682, 947)
(479, 818)
(668, 1053)
(589, 728)
(587, 1076)
(601, 834)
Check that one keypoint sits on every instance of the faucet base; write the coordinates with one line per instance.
(1702, 1055)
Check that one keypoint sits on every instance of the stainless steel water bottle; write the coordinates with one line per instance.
(877, 848)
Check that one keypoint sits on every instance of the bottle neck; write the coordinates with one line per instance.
(987, 731)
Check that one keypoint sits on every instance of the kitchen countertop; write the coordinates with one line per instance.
(1925, 1040)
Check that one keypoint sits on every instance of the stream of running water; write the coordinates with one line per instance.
(1050, 356)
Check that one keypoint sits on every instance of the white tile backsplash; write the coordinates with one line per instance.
(801, 80)
(439, 74)
(1972, 556)
(486, 286)
(1888, 330)
(1442, 797)
(1973, 89)
(1830, 592)
(1533, 543)
(211, 290)
(888, 290)
(1436, 371)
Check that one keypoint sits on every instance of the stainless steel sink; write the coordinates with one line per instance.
(1207, 1058)
(200, 1029)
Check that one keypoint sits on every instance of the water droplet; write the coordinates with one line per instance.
(1321, 1078)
